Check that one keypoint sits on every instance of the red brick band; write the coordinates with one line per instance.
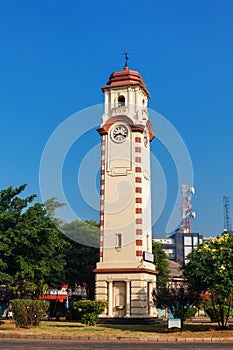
(138, 149)
(138, 159)
(138, 253)
(102, 185)
(138, 231)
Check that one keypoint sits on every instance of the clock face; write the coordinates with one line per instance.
(119, 133)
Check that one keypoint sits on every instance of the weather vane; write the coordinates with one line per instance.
(126, 54)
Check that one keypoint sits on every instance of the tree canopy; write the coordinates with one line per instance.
(161, 263)
(210, 270)
(33, 251)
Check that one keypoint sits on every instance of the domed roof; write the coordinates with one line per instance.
(126, 77)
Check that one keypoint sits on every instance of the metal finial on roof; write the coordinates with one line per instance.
(126, 54)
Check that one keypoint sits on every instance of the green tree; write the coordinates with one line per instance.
(210, 269)
(32, 250)
(81, 259)
(83, 232)
(179, 300)
(161, 263)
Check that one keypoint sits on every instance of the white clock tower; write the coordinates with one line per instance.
(125, 274)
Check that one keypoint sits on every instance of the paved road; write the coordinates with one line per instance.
(26, 344)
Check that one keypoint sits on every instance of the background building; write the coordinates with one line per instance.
(180, 244)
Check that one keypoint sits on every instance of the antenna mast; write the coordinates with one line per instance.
(226, 212)
(186, 208)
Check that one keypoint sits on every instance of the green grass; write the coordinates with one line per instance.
(69, 328)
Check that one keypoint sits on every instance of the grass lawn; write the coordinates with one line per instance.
(190, 330)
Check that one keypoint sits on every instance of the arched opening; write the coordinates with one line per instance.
(121, 101)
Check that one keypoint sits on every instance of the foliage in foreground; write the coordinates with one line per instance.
(210, 270)
(90, 310)
(29, 313)
(32, 250)
(214, 314)
(34, 254)
(161, 263)
(178, 300)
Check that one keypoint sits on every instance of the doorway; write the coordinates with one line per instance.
(119, 297)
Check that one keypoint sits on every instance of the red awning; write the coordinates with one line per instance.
(53, 297)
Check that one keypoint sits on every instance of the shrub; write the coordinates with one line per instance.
(90, 310)
(185, 313)
(28, 313)
(191, 312)
(215, 317)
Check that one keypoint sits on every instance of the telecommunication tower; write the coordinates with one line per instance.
(186, 208)
(226, 212)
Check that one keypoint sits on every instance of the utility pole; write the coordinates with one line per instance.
(226, 212)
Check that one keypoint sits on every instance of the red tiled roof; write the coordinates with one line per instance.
(126, 77)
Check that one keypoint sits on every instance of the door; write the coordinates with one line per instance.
(119, 296)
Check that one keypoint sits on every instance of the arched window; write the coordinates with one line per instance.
(121, 101)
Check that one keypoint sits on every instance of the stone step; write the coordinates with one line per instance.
(129, 320)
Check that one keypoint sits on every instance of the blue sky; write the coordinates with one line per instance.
(55, 56)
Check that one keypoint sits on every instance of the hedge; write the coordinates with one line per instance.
(90, 310)
(28, 313)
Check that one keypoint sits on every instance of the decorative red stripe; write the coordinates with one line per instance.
(138, 179)
(138, 210)
(138, 221)
(138, 189)
(139, 242)
(138, 149)
(101, 254)
(101, 222)
(138, 139)
(102, 172)
(138, 253)
(101, 192)
(138, 169)
(138, 231)
(138, 200)
(102, 182)
(138, 159)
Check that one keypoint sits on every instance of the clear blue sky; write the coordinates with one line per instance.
(55, 56)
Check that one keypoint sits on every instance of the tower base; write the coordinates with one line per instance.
(128, 292)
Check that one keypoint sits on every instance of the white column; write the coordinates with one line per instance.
(150, 287)
(127, 304)
(129, 100)
(110, 299)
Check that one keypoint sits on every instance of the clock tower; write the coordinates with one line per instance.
(125, 274)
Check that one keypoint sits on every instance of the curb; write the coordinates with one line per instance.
(116, 339)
